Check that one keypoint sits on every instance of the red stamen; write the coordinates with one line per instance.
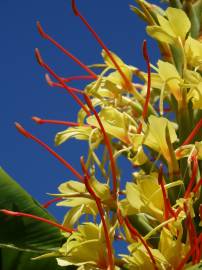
(135, 233)
(192, 234)
(78, 78)
(193, 133)
(139, 128)
(197, 186)
(193, 177)
(107, 142)
(20, 214)
(146, 104)
(165, 198)
(57, 122)
(62, 160)
(146, 57)
(48, 203)
(46, 36)
(77, 13)
(55, 84)
(171, 211)
(45, 66)
(190, 252)
(101, 212)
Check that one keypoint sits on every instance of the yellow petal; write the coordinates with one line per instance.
(179, 21)
(160, 34)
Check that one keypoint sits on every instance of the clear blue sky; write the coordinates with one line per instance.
(24, 92)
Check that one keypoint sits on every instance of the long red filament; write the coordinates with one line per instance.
(193, 176)
(78, 78)
(134, 232)
(192, 234)
(45, 66)
(146, 57)
(193, 133)
(75, 59)
(102, 215)
(160, 181)
(48, 203)
(62, 160)
(57, 122)
(108, 145)
(146, 104)
(197, 186)
(56, 84)
(77, 13)
(20, 214)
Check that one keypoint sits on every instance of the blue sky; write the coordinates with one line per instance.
(24, 92)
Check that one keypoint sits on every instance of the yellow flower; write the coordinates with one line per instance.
(193, 51)
(156, 136)
(84, 247)
(169, 29)
(144, 197)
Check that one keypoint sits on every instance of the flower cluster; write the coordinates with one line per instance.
(156, 125)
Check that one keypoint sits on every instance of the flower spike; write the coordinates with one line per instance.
(20, 214)
(102, 44)
(101, 212)
(62, 160)
(45, 66)
(46, 36)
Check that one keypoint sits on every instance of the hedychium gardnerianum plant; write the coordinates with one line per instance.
(156, 125)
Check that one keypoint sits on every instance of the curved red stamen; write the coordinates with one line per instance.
(45, 66)
(197, 186)
(193, 133)
(101, 212)
(146, 57)
(165, 199)
(62, 160)
(48, 203)
(107, 142)
(75, 59)
(77, 13)
(20, 214)
(134, 232)
(146, 104)
(55, 84)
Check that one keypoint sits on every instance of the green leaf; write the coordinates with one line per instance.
(24, 233)
(11, 259)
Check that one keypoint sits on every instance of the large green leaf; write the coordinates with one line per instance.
(24, 233)
(11, 259)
